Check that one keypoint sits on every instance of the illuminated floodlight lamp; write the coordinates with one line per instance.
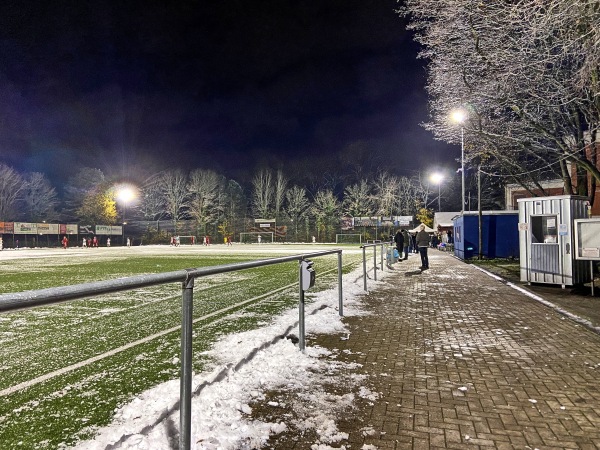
(125, 194)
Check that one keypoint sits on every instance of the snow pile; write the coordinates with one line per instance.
(248, 368)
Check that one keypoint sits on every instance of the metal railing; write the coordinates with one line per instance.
(364, 249)
(29, 299)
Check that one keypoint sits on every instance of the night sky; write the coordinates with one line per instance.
(133, 87)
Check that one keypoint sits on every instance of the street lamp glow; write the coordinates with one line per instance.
(458, 116)
(436, 178)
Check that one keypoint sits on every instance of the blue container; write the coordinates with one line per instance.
(499, 234)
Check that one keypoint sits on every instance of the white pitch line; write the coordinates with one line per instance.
(72, 367)
(96, 358)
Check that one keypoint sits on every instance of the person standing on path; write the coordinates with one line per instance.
(406, 243)
(423, 244)
(399, 240)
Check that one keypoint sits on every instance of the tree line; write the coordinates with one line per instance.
(214, 203)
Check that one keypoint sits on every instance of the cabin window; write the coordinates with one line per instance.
(544, 229)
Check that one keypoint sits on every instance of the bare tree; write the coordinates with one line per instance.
(297, 206)
(386, 190)
(39, 198)
(11, 188)
(263, 194)
(152, 201)
(279, 193)
(358, 200)
(235, 205)
(526, 72)
(326, 210)
(173, 184)
(410, 195)
(203, 188)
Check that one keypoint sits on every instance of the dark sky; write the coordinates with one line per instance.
(132, 87)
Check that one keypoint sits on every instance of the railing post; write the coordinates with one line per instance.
(301, 341)
(341, 307)
(375, 262)
(185, 387)
(365, 268)
(382, 250)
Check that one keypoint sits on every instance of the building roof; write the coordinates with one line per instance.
(444, 219)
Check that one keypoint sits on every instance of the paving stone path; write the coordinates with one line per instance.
(460, 360)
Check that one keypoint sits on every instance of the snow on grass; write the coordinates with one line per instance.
(222, 409)
(223, 388)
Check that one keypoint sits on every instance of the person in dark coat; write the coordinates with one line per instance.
(423, 240)
(406, 243)
(399, 240)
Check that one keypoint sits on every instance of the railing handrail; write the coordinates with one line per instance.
(374, 245)
(40, 297)
(29, 299)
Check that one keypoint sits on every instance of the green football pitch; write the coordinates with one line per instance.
(65, 368)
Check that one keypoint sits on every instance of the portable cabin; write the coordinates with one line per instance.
(499, 234)
(547, 240)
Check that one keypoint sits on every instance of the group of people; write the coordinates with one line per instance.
(87, 242)
(418, 242)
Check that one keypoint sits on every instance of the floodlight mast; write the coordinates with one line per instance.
(125, 194)
(437, 178)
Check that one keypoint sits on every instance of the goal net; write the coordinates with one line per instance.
(348, 238)
(255, 237)
(187, 240)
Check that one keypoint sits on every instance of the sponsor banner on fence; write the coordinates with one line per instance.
(346, 223)
(7, 227)
(109, 230)
(48, 228)
(25, 228)
(365, 221)
(86, 229)
(265, 223)
(404, 221)
(68, 229)
(396, 221)
(385, 221)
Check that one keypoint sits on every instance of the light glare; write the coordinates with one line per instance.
(458, 116)
(436, 178)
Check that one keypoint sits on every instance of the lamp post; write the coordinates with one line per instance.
(436, 178)
(459, 116)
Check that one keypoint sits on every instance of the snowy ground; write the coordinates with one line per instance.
(160, 250)
(221, 411)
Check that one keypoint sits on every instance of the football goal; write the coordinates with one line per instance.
(187, 240)
(348, 238)
(255, 237)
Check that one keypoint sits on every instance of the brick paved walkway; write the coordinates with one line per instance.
(461, 360)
